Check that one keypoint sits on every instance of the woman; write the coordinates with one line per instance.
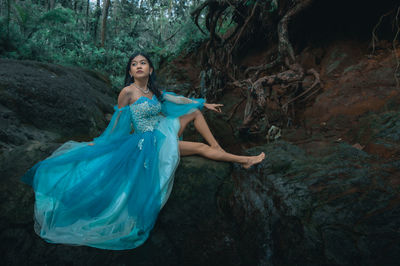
(107, 193)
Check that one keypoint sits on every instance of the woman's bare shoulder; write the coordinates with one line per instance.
(125, 96)
(126, 90)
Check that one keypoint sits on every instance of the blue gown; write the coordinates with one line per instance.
(108, 195)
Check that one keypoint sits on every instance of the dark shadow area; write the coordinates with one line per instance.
(327, 21)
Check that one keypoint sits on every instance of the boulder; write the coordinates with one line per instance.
(67, 101)
(329, 204)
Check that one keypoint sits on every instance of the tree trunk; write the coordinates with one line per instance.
(97, 16)
(66, 3)
(116, 13)
(106, 5)
(8, 19)
(52, 4)
(87, 15)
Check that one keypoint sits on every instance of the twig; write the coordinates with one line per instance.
(237, 10)
(172, 35)
(374, 38)
(248, 110)
(235, 107)
(316, 81)
(264, 67)
(243, 27)
(196, 14)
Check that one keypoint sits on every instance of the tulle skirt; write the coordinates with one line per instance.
(107, 195)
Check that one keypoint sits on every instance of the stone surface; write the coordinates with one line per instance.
(191, 229)
(327, 194)
(338, 206)
(67, 101)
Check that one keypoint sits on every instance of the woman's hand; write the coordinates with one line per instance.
(216, 107)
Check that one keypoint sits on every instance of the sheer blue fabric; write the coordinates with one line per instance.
(107, 193)
(176, 105)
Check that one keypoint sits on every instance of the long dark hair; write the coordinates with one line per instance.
(152, 78)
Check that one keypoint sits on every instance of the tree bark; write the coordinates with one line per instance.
(87, 15)
(66, 3)
(116, 13)
(97, 17)
(8, 19)
(52, 4)
(106, 5)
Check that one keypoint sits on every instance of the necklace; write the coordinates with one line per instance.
(143, 90)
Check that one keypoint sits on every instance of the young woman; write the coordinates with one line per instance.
(107, 193)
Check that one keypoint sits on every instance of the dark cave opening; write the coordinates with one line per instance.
(323, 23)
(327, 21)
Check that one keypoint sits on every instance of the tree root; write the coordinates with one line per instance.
(317, 81)
(287, 82)
(374, 37)
(285, 47)
(374, 40)
(242, 29)
(278, 89)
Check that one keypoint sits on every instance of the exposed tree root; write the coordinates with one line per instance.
(374, 37)
(375, 40)
(280, 87)
(241, 32)
(263, 67)
(274, 90)
(316, 82)
(285, 47)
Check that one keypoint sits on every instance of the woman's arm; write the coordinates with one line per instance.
(120, 122)
(178, 99)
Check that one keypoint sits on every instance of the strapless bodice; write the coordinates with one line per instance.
(145, 114)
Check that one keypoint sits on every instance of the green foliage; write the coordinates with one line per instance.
(191, 39)
(162, 28)
(57, 16)
(250, 2)
(274, 4)
(22, 14)
(227, 23)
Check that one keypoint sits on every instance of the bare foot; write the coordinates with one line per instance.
(253, 160)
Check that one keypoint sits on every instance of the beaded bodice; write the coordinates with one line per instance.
(145, 114)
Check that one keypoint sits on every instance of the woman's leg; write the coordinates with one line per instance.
(191, 148)
(201, 125)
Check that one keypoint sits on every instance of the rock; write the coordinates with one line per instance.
(330, 209)
(44, 109)
(317, 199)
(191, 223)
(191, 229)
(63, 100)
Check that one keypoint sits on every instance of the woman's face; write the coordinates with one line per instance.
(140, 67)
